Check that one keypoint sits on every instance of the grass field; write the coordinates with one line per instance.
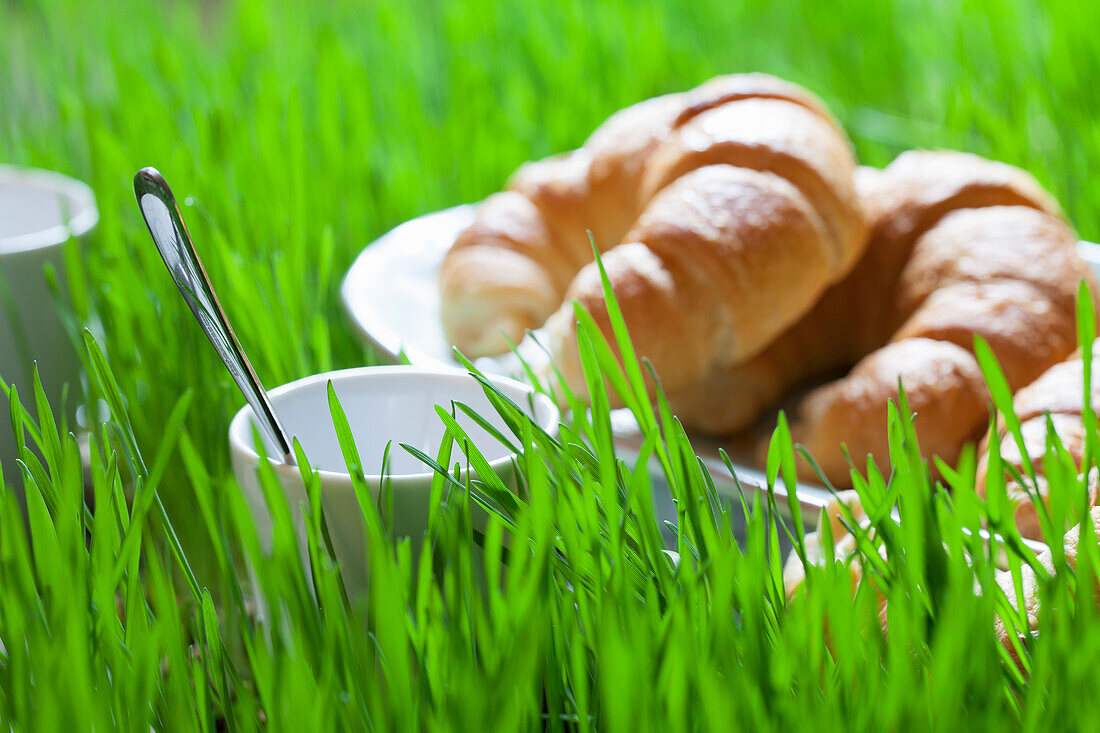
(299, 132)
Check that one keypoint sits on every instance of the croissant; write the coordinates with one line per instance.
(858, 315)
(1058, 396)
(511, 268)
(959, 246)
(1008, 273)
(1029, 585)
(752, 213)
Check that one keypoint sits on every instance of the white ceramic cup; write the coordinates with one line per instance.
(383, 404)
(39, 212)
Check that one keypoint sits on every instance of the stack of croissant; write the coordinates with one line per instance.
(750, 254)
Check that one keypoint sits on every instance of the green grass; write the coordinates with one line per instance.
(300, 135)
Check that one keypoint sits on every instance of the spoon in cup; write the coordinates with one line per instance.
(162, 216)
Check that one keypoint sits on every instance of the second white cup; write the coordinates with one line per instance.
(39, 212)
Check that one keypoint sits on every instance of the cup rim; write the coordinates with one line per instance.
(82, 218)
(240, 433)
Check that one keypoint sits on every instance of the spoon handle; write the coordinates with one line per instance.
(162, 216)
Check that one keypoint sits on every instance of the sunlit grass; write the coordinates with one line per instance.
(298, 135)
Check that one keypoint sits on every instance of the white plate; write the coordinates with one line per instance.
(391, 296)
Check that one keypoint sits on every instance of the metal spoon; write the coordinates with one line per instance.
(162, 216)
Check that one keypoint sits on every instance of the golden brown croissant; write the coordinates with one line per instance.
(509, 270)
(857, 315)
(753, 213)
(1058, 394)
(1071, 544)
(1008, 273)
(706, 279)
(959, 246)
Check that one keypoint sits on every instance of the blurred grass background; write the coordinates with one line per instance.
(298, 132)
